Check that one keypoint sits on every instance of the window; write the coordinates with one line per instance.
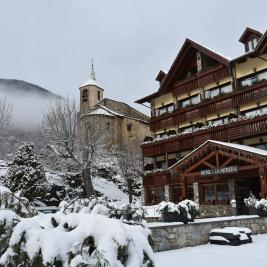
(84, 95)
(129, 127)
(188, 129)
(156, 196)
(161, 165)
(185, 103)
(108, 126)
(224, 89)
(255, 112)
(190, 101)
(162, 110)
(176, 194)
(253, 79)
(218, 121)
(215, 193)
(255, 42)
(190, 192)
(250, 45)
(222, 192)
(98, 95)
(209, 193)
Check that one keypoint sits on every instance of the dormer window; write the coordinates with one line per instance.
(250, 38)
(252, 44)
(98, 95)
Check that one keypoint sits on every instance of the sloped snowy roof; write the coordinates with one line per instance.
(101, 110)
(91, 82)
(211, 49)
(249, 149)
(242, 147)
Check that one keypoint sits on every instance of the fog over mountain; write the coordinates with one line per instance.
(28, 101)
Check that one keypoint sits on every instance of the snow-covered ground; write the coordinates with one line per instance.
(215, 255)
(108, 188)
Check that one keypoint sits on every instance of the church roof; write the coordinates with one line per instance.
(109, 107)
(91, 82)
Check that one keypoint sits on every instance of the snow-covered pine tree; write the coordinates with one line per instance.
(26, 173)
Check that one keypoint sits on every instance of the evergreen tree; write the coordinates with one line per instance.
(26, 173)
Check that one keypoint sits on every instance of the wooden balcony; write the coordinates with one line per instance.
(156, 179)
(201, 79)
(211, 106)
(228, 132)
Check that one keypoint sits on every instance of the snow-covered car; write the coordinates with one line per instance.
(48, 209)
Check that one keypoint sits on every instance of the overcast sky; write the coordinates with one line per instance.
(51, 42)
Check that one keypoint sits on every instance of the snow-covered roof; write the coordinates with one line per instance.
(211, 49)
(101, 111)
(91, 82)
(245, 148)
(242, 147)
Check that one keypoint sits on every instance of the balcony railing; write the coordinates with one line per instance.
(210, 106)
(232, 131)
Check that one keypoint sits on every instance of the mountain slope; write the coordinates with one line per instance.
(13, 86)
(29, 101)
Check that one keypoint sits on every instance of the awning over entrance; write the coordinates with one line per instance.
(218, 159)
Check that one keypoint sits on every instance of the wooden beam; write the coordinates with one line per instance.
(200, 162)
(229, 160)
(238, 157)
(217, 160)
(208, 164)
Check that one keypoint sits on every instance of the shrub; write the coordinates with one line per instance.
(77, 240)
(130, 213)
(184, 211)
(20, 205)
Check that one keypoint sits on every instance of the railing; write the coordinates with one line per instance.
(201, 79)
(227, 132)
(210, 106)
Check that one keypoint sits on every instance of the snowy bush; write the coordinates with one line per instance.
(251, 201)
(184, 211)
(261, 204)
(14, 202)
(93, 205)
(76, 240)
(8, 220)
(26, 173)
(130, 213)
(193, 207)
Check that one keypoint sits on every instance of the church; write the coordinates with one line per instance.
(127, 126)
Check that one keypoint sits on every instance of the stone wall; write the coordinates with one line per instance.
(209, 211)
(174, 236)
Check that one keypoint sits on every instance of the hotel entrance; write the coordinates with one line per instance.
(220, 172)
(243, 190)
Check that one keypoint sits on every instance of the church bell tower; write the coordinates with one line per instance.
(90, 93)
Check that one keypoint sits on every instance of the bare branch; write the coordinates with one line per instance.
(5, 114)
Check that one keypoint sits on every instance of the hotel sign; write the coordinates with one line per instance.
(218, 171)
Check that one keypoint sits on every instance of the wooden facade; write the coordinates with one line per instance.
(206, 96)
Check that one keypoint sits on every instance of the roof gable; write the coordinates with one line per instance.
(248, 34)
(212, 145)
(185, 57)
